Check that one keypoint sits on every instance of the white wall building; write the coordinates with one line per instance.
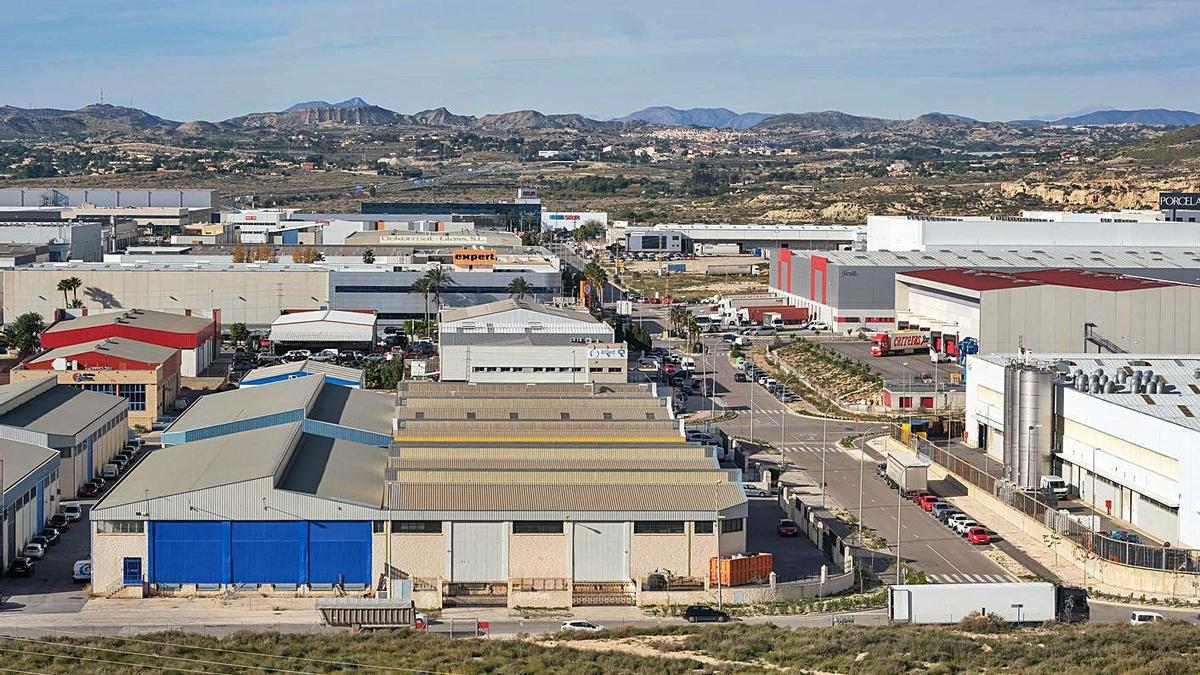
(515, 341)
(569, 220)
(1129, 453)
(1053, 231)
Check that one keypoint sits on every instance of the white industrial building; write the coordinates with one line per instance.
(1121, 429)
(569, 220)
(1053, 310)
(1052, 231)
(326, 327)
(513, 341)
(673, 238)
(29, 494)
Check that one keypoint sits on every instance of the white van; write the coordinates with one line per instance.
(72, 511)
(1138, 618)
(1056, 485)
(687, 363)
(110, 471)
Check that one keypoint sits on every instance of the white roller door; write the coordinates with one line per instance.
(601, 552)
(478, 553)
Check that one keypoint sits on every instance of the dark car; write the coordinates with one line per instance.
(59, 522)
(40, 539)
(21, 567)
(243, 367)
(740, 377)
(787, 528)
(697, 613)
(51, 534)
(89, 490)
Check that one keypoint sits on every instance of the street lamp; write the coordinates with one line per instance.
(899, 500)
(720, 604)
(824, 444)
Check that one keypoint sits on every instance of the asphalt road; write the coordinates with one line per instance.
(50, 589)
(924, 542)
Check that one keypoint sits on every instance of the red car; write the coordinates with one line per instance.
(669, 368)
(978, 535)
(787, 528)
(927, 502)
(916, 497)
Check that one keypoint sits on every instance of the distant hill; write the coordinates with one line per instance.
(710, 118)
(937, 119)
(828, 120)
(1178, 146)
(92, 119)
(1150, 117)
(440, 117)
(525, 120)
(355, 102)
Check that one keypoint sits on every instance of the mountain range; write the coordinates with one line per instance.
(356, 112)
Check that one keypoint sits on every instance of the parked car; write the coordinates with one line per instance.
(928, 501)
(40, 540)
(939, 508)
(375, 357)
(918, 495)
(60, 522)
(243, 367)
(787, 528)
(697, 613)
(953, 519)
(761, 331)
(35, 551)
(52, 535)
(72, 511)
(82, 570)
(296, 355)
(753, 490)
(729, 338)
(110, 470)
(818, 325)
(740, 377)
(945, 515)
(881, 469)
(21, 567)
(579, 624)
(964, 525)
(1141, 617)
(88, 490)
(978, 535)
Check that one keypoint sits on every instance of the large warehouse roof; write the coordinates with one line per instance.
(300, 368)
(508, 305)
(136, 318)
(19, 459)
(117, 348)
(61, 410)
(984, 280)
(326, 325)
(541, 497)
(242, 404)
(1020, 258)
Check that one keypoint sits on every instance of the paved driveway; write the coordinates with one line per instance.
(50, 590)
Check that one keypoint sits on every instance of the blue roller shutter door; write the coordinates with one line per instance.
(268, 552)
(339, 550)
(192, 552)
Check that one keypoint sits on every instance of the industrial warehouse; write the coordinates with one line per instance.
(1120, 429)
(519, 495)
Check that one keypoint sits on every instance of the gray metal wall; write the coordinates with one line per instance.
(601, 551)
(478, 552)
(107, 198)
(394, 306)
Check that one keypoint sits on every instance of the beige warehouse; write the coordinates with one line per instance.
(1049, 310)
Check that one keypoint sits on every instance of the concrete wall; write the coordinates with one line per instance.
(539, 556)
(420, 555)
(108, 554)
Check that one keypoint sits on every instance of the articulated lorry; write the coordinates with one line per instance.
(1020, 603)
(899, 342)
(908, 471)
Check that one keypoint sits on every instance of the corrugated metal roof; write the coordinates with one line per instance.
(551, 453)
(566, 464)
(208, 463)
(1017, 258)
(239, 404)
(138, 318)
(326, 315)
(336, 469)
(448, 339)
(415, 390)
(121, 348)
(584, 497)
(354, 408)
(306, 365)
(324, 326)
(62, 410)
(488, 308)
(18, 459)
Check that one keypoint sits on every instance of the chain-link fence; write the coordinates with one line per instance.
(1043, 507)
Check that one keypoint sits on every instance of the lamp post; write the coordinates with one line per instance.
(720, 602)
(899, 500)
(824, 443)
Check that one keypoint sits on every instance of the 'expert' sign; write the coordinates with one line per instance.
(475, 257)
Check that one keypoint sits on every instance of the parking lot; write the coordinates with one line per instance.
(794, 557)
(50, 589)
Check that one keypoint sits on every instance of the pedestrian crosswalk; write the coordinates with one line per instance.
(808, 448)
(964, 578)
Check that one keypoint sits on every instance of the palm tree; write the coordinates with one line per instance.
(75, 283)
(518, 288)
(438, 279)
(677, 315)
(423, 287)
(64, 285)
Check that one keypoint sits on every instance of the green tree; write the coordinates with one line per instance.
(518, 288)
(438, 279)
(368, 256)
(238, 333)
(385, 374)
(24, 334)
(424, 287)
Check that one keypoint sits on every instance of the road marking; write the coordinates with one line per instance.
(935, 552)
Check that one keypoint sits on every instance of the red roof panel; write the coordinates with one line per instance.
(972, 279)
(1100, 281)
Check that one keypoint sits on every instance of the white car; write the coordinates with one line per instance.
(35, 551)
(818, 325)
(752, 490)
(952, 521)
(72, 511)
(962, 525)
(579, 624)
(1138, 618)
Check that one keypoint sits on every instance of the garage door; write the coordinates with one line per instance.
(478, 553)
(189, 552)
(601, 552)
(268, 552)
(339, 551)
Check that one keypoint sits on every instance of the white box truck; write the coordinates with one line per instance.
(1030, 603)
(907, 470)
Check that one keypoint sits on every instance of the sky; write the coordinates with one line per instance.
(214, 59)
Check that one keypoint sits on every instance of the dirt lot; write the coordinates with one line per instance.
(700, 265)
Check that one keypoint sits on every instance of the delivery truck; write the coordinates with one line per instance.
(895, 342)
(1020, 603)
(757, 315)
(785, 316)
(908, 471)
